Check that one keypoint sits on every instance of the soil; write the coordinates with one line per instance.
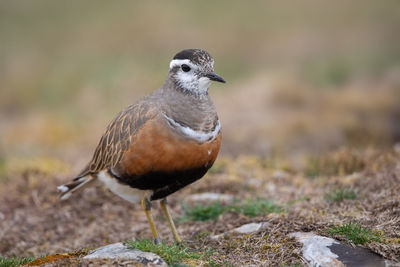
(34, 221)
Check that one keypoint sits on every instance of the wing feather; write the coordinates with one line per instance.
(117, 137)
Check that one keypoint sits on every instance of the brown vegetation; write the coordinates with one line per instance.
(35, 223)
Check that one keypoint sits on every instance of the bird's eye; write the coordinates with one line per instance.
(185, 68)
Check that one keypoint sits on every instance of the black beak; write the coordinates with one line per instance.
(215, 77)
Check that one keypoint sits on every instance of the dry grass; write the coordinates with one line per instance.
(35, 223)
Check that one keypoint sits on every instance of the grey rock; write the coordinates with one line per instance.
(251, 228)
(316, 249)
(209, 197)
(324, 251)
(248, 228)
(122, 253)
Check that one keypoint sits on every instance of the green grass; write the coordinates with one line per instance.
(204, 213)
(338, 195)
(171, 254)
(257, 207)
(250, 208)
(14, 261)
(356, 233)
(305, 198)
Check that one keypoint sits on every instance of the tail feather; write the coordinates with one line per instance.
(76, 185)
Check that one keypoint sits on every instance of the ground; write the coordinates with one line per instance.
(295, 156)
(342, 188)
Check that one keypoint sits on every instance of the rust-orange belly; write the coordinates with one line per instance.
(161, 159)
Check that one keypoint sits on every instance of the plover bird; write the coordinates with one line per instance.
(164, 142)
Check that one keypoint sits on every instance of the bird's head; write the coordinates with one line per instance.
(192, 70)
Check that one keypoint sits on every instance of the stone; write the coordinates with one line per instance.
(316, 249)
(324, 251)
(209, 197)
(280, 174)
(248, 228)
(251, 228)
(121, 253)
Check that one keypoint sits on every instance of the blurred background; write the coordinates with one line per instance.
(304, 77)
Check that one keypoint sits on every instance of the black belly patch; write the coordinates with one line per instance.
(162, 183)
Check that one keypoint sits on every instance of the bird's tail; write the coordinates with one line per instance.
(76, 185)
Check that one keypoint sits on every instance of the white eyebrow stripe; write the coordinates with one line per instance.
(178, 62)
(196, 135)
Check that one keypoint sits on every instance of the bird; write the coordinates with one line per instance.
(160, 144)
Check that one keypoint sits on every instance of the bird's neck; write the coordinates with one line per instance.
(194, 111)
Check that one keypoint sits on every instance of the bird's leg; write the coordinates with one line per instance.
(146, 204)
(164, 208)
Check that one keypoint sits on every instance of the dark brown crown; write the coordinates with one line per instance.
(197, 56)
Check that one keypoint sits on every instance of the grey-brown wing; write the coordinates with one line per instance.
(117, 137)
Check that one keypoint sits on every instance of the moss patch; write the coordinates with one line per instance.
(356, 233)
(14, 261)
(251, 208)
(171, 254)
(257, 207)
(204, 212)
(338, 195)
